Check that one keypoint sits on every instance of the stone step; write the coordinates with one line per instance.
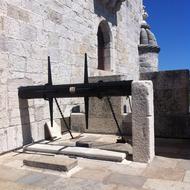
(93, 153)
(58, 163)
(45, 148)
(116, 147)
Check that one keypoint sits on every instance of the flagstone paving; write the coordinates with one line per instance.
(164, 173)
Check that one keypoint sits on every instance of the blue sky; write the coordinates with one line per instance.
(170, 22)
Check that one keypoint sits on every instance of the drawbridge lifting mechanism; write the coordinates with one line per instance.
(51, 92)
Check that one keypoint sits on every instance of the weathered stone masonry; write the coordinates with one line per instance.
(30, 30)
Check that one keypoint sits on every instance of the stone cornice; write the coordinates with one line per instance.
(148, 49)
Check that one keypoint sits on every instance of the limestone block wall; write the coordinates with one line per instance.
(148, 62)
(171, 102)
(127, 58)
(101, 119)
(30, 30)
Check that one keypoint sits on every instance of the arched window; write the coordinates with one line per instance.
(104, 46)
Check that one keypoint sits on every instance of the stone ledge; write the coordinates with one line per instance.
(59, 163)
(45, 148)
(92, 153)
(148, 49)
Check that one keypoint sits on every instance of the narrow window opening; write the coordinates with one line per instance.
(104, 44)
(101, 47)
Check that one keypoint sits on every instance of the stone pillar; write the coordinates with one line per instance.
(143, 121)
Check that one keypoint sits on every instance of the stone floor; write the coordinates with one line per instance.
(170, 170)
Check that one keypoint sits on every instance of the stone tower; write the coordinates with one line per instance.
(148, 48)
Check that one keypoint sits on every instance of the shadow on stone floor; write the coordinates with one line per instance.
(25, 122)
(169, 148)
(173, 148)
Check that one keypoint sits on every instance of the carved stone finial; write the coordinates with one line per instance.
(144, 17)
(144, 14)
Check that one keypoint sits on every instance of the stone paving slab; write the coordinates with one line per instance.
(11, 174)
(80, 184)
(94, 153)
(8, 185)
(158, 184)
(164, 173)
(163, 162)
(120, 187)
(183, 164)
(126, 169)
(125, 180)
(51, 162)
(38, 179)
(92, 174)
(55, 149)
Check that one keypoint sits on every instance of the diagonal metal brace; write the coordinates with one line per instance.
(63, 118)
(114, 116)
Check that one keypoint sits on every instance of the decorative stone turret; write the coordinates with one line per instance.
(148, 48)
(113, 5)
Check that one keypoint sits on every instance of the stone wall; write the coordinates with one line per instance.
(101, 119)
(171, 102)
(30, 30)
(148, 62)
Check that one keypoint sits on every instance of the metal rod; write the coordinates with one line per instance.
(130, 103)
(86, 105)
(113, 113)
(103, 89)
(63, 118)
